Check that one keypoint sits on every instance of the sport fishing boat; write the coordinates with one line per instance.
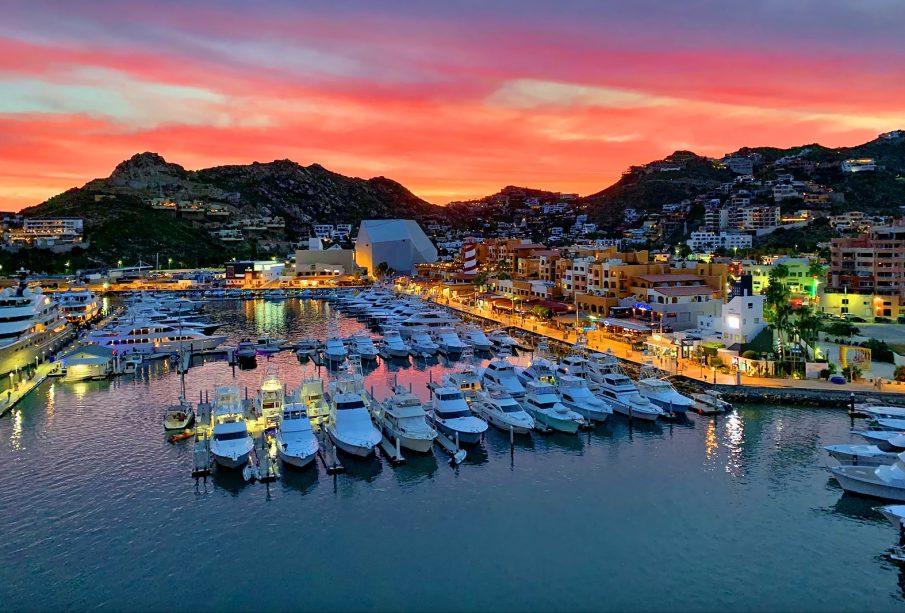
(448, 341)
(887, 481)
(540, 369)
(393, 346)
(296, 443)
(662, 393)
(497, 406)
(576, 395)
(362, 346)
(544, 405)
(501, 340)
(474, 336)
(623, 396)
(883, 452)
(246, 351)
(335, 351)
(311, 393)
(402, 417)
(231, 441)
(450, 414)
(270, 398)
(79, 305)
(501, 372)
(421, 343)
(466, 381)
(349, 425)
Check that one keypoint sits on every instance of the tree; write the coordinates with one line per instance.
(899, 374)
(381, 270)
(807, 324)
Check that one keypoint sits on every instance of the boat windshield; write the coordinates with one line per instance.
(545, 405)
(451, 396)
(513, 407)
(230, 436)
(455, 414)
(352, 404)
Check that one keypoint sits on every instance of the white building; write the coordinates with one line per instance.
(742, 319)
(859, 165)
(401, 243)
(323, 230)
(707, 242)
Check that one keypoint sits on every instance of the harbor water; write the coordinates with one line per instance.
(731, 513)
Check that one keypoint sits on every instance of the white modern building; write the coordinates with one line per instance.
(401, 243)
(707, 242)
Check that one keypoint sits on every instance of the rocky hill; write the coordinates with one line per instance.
(120, 222)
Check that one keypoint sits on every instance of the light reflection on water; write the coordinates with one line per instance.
(725, 509)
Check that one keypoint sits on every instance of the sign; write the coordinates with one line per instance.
(854, 356)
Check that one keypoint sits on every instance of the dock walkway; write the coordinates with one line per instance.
(10, 398)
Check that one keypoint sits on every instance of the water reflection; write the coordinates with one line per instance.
(734, 434)
(15, 437)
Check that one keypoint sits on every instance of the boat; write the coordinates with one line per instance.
(894, 514)
(131, 363)
(32, 328)
(576, 365)
(421, 343)
(306, 349)
(402, 417)
(267, 345)
(231, 442)
(501, 340)
(296, 442)
(617, 389)
(541, 369)
(710, 403)
(349, 425)
(393, 346)
(576, 395)
(501, 372)
(79, 305)
(334, 351)
(882, 412)
(876, 435)
(363, 346)
(450, 414)
(662, 393)
(153, 338)
(448, 341)
(246, 351)
(179, 416)
(497, 407)
(886, 482)
(883, 452)
(466, 381)
(426, 320)
(305, 294)
(545, 406)
(274, 294)
(474, 336)
(311, 393)
(890, 424)
(270, 399)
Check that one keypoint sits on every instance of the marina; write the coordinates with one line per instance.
(734, 457)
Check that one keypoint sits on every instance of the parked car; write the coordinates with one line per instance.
(882, 320)
(854, 318)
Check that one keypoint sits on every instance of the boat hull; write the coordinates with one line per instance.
(230, 462)
(626, 410)
(499, 422)
(862, 480)
(560, 424)
(592, 414)
(465, 438)
(361, 451)
(296, 461)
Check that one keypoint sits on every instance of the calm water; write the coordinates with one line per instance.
(735, 513)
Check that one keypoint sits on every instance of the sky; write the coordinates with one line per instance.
(453, 99)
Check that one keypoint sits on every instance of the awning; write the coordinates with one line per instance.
(626, 324)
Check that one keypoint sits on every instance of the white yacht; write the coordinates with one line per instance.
(31, 327)
(448, 341)
(576, 365)
(246, 351)
(576, 395)
(450, 414)
(335, 351)
(541, 369)
(497, 406)
(474, 336)
(710, 403)
(887, 481)
(231, 441)
(501, 372)
(79, 305)
(421, 343)
(270, 398)
(466, 381)
(349, 425)
(363, 346)
(311, 393)
(296, 443)
(623, 396)
(662, 393)
(393, 346)
(545, 406)
(402, 417)
(883, 452)
(882, 412)
(501, 340)
(429, 320)
(153, 338)
(876, 436)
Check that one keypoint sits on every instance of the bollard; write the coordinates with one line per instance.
(511, 436)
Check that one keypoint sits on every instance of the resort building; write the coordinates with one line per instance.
(401, 243)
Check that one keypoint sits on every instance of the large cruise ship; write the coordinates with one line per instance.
(79, 305)
(31, 327)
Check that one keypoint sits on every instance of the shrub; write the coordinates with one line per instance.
(825, 373)
(899, 374)
(879, 350)
(751, 355)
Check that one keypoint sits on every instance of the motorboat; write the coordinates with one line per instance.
(266, 345)
(576, 395)
(421, 343)
(270, 399)
(466, 381)
(231, 442)
(894, 514)
(882, 412)
(890, 424)
(306, 349)
(274, 294)
(450, 414)
(710, 403)
(247, 350)
(883, 452)
(335, 351)
(474, 336)
(662, 393)
(393, 346)
(576, 365)
(540, 369)
(497, 406)
(179, 416)
(311, 393)
(296, 442)
(886, 481)
(305, 294)
(349, 425)
(617, 389)
(363, 346)
(426, 320)
(545, 406)
(448, 341)
(877, 435)
(501, 372)
(500, 339)
(402, 417)
(153, 339)
(79, 305)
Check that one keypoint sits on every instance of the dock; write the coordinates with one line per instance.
(11, 397)
(327, 454)
(392, 451)
(457, 454)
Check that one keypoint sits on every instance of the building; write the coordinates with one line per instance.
(250, 273)
(799, 281)
(872, 264)
(859, 165)
(46, 232)
(315, 262)
(401, 243)
(742, 319)
(707, 242)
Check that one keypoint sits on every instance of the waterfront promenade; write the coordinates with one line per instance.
(690, 369)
